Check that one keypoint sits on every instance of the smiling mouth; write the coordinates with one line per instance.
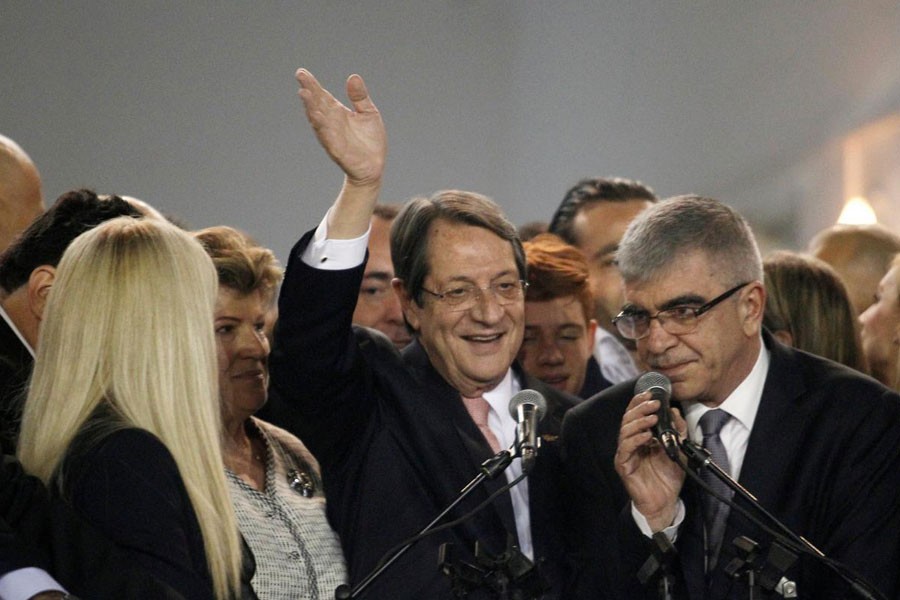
(483, 339)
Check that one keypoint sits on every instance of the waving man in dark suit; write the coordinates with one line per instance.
(392, 431)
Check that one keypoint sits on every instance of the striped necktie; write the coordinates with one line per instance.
(715, 512)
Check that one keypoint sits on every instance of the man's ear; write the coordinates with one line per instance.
(753, 306)
(39, 283)
(409, 307)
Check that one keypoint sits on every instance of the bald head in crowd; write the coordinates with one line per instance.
(861, 255)
(21, 199)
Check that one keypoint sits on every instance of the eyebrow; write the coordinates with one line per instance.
(379, 275)
(468, 279)
(683, 300)
(604, 250)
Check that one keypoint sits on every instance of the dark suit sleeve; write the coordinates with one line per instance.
(37, 530)
(319, 382)
(23, 500)
(860, 518)
(589, 438)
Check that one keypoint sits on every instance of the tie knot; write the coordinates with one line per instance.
(478, 409)
(712, 421)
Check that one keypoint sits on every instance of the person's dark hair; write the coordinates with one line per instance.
(531, 230)
(388, 212)
(47, 238)
(590, 191)
(409, 232)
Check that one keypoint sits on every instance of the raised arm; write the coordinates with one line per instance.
(355, 140)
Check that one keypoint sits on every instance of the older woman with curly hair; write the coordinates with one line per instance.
(273, 479)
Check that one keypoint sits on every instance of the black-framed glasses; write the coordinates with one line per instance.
(466, 295)
(635, 324)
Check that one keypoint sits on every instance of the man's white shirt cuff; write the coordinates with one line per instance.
(334, 255)
(22, 584)
(671, 531)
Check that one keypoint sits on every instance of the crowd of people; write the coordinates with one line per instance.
(183, 418)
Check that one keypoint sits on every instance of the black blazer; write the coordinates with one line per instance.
(37, 531)
(395, 443)
(15, 368)
(823, 456)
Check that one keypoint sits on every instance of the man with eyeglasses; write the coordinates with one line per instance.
(398, 435)
(817, 443)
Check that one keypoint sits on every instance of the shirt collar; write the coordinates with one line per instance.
(499, 397)
(742, 404)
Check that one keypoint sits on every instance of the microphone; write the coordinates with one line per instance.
(660, 388)
(527, 407)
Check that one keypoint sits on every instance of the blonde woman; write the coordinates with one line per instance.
(807, 307)
(881, 328)
(122, 417)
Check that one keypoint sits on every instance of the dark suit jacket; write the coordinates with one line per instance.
(395, 442)
(15, 368)
(823, 456)
(37, 531)
(128, 486)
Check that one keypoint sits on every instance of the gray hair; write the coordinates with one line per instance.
(668, 229)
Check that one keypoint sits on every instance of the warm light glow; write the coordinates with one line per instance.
(857, 212)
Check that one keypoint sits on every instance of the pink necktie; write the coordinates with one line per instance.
(478, 409)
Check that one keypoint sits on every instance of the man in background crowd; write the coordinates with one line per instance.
(21, 199)
(861, 255)
(592, 217)
(378, 306)
(559, 325)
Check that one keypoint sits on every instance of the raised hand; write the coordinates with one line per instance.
(354, 138)
(651, 478)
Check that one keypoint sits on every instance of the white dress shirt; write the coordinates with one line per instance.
(615, 361)
(22, 584)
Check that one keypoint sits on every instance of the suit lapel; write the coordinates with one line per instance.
(776, 438)
(458, 445)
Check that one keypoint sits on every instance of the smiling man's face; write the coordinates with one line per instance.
(472, 349)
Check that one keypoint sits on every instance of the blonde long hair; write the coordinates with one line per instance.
(128, 327)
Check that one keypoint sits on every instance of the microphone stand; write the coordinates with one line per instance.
(489, 470)
(786, 540)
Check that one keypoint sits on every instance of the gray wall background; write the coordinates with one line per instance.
(192, 106)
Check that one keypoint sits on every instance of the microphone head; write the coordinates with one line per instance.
(528, 397)
(650, 380)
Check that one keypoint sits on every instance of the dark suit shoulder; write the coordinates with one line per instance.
(845, 392)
